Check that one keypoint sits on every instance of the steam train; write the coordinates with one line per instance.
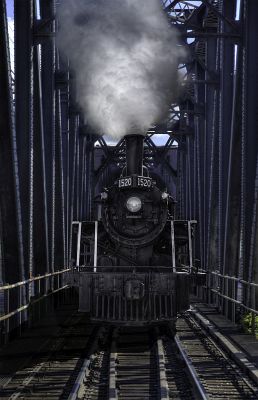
(133, 264)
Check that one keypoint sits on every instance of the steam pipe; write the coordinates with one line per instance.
(134, 154)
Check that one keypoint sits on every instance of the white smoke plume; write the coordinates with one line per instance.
(124, 55)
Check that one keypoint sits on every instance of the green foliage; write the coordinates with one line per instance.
(249, 322)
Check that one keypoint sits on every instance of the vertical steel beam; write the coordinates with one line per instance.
(95, 263)
(211, 128)
(67, 153)
(11, 243)
(201, 160)
(225, 115)
(233, 203)
(250, 139)
(47, 11)
(78, 251)
(23, 14)
(60, 242)
(89, 183)
(78, 174)
(41, 239)
(62, 86)
(74, 123)
(173, 249)
(83, 178)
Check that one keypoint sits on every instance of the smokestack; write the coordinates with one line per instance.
(134, 154)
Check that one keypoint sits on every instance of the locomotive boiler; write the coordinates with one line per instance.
(133, 263)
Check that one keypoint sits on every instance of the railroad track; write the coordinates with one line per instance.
(139, 364)
(215, 374)
(144, 364)
(51, 373)
(95, 363)
(133, 366)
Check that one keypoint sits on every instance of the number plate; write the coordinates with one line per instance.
(135, 181)
(144, 182)
(125, 182)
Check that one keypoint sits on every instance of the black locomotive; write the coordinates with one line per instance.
(133, 262)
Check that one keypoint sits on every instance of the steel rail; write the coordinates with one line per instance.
(236, 353)
(163, 383)
(113, 395)
(48, 365)
(193, 373)
(209, 364)
(78, 384)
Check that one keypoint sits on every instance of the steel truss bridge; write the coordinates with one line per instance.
(48, 174)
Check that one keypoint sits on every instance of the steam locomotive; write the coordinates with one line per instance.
(133, 263)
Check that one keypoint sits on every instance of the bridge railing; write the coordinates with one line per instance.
(233, 296)
(19, 297)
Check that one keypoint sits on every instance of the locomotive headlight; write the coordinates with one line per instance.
(134, 204)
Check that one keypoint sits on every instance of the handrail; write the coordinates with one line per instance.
(240, 303)
(35, 278)
(29, 292)
(234, 278)
(26, 306)
(229, 290)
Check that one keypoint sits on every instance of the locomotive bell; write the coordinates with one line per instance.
(134, 154)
